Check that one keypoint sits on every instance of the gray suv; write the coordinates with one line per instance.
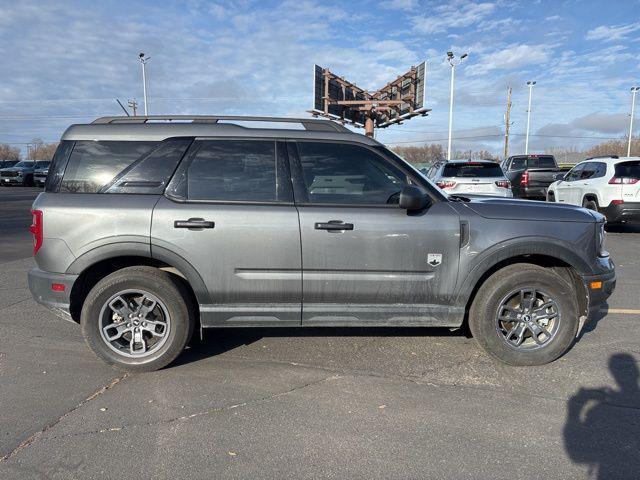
(153, 227)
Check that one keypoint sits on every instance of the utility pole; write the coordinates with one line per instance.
(634, 90)
(133, 105)
(453, 62)
(530, 84)
(507, 123)
(143, 61)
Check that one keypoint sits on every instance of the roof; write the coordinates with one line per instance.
(613, 159)
(162, 127)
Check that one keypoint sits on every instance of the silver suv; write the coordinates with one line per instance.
(151, 227)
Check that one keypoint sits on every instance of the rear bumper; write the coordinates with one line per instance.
(625, 212)
(40, 283)
(530, 192)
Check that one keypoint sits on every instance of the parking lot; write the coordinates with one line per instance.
(317, 403)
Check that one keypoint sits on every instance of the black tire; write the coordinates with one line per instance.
(590, 204)
(551, 197)
(484, 311)
(157, 283)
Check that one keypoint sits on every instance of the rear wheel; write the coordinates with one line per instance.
(525, 314)
(136, 319)
(590, 203)
(551, 197)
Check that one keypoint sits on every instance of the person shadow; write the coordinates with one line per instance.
(602, 430)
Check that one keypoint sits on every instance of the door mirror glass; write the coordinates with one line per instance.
(413, 198)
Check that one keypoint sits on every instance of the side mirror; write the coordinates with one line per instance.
(413, 198)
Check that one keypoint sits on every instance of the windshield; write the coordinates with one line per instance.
(472, 169)
(42, 164)
(24, 164)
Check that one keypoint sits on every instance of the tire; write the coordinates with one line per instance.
(491, 334)
(551, 197)
(590, 204)
(164, 331)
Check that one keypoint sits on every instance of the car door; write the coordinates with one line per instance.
(366, 261)
(228, 214)
(566, 189)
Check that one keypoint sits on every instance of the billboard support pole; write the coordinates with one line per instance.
(368, 126)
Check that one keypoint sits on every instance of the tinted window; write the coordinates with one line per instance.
(518, 164)
(233, 170)
(42, 164)
(472, 169)
(593, 170)
(150, 173)
(93, 165)
(574, 173)
(541, 162)
(58, 164)
(348, 174)
(628, 170)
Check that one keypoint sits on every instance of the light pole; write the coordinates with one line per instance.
(530, 84)
(143, 61)
(454, 63)
(634, 90)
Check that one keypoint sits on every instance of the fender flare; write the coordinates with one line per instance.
(517, 247)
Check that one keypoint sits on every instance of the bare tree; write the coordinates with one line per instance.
(423, 154)
(38, 150)
(7, 152)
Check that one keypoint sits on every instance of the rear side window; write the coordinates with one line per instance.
(628, 170)
(518, 164)
(472, 169)
(231, 170)
(94, 165)
(58, 164)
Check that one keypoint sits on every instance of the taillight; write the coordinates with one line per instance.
(446, 184)
(623, 181)
(503, 183)
(36, 230)
(617, 202)
(524, 181)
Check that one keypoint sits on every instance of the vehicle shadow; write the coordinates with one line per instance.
(593, 320)
(623, 228)
(219, 341)
(602, 430)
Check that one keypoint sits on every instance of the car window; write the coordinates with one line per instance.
(42, 164)
(628, 170)
(348, 174)
(588, 171)
(518, 163)
(574, 173)
(94, 164)
(541, 162)
(233, 170)
(472, 169)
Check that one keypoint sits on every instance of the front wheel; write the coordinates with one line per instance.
(136, 319)
(525, 314)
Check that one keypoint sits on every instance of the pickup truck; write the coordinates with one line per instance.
(531, 175)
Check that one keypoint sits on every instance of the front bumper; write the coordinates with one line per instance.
(598, 296)
(625, 212)
(12, 180)
(39, 180)
(40, 284)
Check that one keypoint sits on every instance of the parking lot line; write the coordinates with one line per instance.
(622, 310)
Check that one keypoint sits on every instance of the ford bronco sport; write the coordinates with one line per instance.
(153, 227)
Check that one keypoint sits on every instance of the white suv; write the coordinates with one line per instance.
(610, 185)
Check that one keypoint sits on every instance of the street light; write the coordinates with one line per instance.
(634, 90)
(454, 63)
(143, 61)
(530, 84)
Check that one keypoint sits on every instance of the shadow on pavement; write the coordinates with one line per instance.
(219, 341)
(602, 430)
(593, 320)
(623, 228)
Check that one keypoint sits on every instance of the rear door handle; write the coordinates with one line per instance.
(193, 224)
(333, 225)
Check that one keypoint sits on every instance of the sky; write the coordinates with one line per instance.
(66, 62)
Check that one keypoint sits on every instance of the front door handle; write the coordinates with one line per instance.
(193, 224)
(333, 225)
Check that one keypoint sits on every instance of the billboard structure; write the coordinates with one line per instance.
(338, 99)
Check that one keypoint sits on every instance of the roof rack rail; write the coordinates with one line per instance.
(603, 156)
(311, 124)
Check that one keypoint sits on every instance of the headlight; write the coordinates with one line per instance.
(602, 235)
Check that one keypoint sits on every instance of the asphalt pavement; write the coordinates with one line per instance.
(317, 403)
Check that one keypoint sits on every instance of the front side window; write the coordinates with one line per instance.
(336, 173)
(95, 164)
(232, 170)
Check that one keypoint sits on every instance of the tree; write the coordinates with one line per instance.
(38, 150)
(423, 154)
(7, 152)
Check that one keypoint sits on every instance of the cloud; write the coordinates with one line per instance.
(613, 32)
(552, 18)
(400, 5)
(457, 14)
(512, 56)
(603, 122)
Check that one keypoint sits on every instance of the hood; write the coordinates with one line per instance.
(517, 209)
(42, 170)
(16, 169)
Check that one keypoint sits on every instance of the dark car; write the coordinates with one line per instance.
(149, 231)
(531, 175)
(22, 173)
(7, 163)
(40, 173)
